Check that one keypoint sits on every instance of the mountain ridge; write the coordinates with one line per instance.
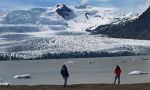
(134, 29)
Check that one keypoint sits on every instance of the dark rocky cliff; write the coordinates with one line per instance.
(65, 12)
(136, 29)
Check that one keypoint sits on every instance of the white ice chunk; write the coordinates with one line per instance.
(69, 62)
(5, 84)
(137, 73)
(25, 76)
(93, 62)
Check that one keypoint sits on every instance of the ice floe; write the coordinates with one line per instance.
(69, 62)
(122, 61)
(137, 73)
(5, 84)
(25, 76)
(93, 62)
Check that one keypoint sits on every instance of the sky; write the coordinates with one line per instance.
(123, 4)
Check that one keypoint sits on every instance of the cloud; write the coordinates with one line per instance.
(86, 1)
(123, 4)
(146, 4)
(143, 6)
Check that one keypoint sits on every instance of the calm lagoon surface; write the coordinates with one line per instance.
(82, 70)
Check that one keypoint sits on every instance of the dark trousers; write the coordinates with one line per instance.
(117, 78)
(65, 81)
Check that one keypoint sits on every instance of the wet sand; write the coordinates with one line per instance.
(82, 70)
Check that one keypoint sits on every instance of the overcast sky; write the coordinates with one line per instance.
(123, 4)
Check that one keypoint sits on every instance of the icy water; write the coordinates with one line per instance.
(100, 70)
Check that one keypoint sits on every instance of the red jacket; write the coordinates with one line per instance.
(117, 71)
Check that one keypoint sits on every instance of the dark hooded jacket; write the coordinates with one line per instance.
(64, 71)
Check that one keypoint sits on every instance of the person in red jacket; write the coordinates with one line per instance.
(117, 73)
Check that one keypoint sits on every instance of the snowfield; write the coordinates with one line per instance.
(43, 33)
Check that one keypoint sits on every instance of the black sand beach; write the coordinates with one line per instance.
(81, 87)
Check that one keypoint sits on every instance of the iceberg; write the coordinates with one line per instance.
(25, 76)
(69, 62)
(4, 84)
(137, 73)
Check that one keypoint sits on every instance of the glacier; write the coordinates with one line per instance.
(44, 33)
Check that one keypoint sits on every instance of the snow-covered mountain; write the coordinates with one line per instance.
(61, 31)
(76, 18)
(138, 28)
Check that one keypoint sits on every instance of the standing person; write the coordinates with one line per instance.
(65, 74)
(117, 72)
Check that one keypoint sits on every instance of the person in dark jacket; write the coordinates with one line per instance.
(65, 74)
(117, 73)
